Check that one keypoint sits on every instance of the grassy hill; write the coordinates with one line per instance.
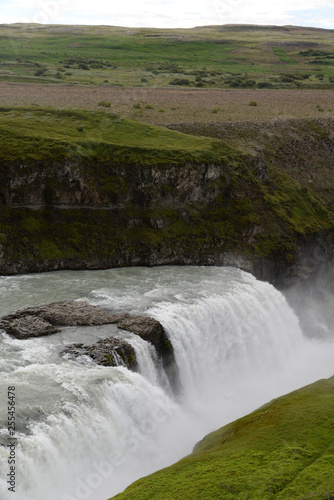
(230, 56)
(284, 450)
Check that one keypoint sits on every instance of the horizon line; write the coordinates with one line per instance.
(287, 26)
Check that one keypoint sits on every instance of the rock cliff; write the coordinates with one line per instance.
(260, 203)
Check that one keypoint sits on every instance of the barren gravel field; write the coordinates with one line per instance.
(165, 106)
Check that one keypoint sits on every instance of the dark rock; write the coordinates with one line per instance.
(65, 313)
(148, 329)
(106, 352)
(40, 320)
(27, 326)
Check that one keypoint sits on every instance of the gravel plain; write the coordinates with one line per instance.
(165, 106)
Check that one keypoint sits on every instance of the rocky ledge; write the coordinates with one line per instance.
(45, 319)
(106, 352)
(41, 320)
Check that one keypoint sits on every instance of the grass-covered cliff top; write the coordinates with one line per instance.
(49, 134)
(174, 197)
(284, 450)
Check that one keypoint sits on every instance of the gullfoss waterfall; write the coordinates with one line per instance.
(86, 431)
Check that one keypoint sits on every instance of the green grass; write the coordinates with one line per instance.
(284, 450)
(282, 54)
(152, 57)
(40, 134)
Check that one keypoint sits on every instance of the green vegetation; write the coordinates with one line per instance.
(126, 177)
(180, 81)
(104, 104)
(209, 56)
(284, 450)
(319, 57)
(36, 134)
(282, 54)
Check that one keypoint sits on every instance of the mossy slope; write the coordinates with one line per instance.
(30, 134)
(283, 450)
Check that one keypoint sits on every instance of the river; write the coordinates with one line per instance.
(85, 432)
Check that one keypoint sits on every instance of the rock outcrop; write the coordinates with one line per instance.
(42, 320)
(27, 326)
(105, 352)
(63, 313)
(148, 329)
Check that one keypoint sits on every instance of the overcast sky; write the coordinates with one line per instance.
(169, 13)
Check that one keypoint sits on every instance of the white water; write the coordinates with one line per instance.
(86, 432)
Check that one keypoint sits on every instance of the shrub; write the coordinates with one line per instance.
(113, 114)
(96, 65)
(179, 81)
(252, 103)
(104, 104)
(40, 71)
(264, 85)
(83, 66)
(248, 84)
(287, 79)
(235, 82)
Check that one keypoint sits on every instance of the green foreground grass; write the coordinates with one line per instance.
(283, 450)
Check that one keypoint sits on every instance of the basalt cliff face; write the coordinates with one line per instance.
(257, 210)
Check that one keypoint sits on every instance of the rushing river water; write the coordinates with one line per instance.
(86, 431)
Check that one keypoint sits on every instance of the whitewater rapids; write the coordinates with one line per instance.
(84, 432)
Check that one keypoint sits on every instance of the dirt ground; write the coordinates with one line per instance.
(165, 106)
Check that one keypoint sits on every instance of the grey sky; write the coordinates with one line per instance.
(170, 13)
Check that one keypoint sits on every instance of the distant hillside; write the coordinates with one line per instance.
(229, 56)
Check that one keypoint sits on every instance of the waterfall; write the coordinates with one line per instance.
(222, 340)
(85, 431)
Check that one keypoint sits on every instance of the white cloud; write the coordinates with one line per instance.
(168, 13)
(7, 19)
(324, 22)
